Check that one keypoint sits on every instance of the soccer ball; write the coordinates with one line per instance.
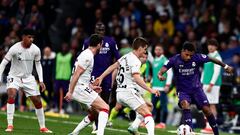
(184, 130)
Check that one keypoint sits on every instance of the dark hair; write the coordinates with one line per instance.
(212, 42)
(188, 46)
(139, 42)
(28, 31)
(95, 39)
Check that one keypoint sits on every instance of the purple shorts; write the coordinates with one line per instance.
(61, 84)
(198, 97)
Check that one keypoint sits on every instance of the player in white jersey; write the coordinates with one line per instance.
(127, 78)
(81, 90)
(22, 56)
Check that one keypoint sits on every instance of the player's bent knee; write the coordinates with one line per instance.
(106, 110)
(38, 105)
(185, 104)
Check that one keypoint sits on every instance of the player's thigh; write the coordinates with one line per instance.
(30, 86)
(184, 100)
(131, 99)
(200, 99)
(99, 104)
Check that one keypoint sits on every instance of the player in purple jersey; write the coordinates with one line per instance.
(103, 60)
(187, 77)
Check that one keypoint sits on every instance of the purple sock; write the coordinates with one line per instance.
(213, 124)
(187, 116)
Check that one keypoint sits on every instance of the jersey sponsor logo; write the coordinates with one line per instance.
(106, 44)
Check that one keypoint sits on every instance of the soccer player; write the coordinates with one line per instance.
(162, 86)
(212, 80)
(22, 55)
(187, 77)
(82, 91)
(127, 77)
(103, 60)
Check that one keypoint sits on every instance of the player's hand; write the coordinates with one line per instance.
(161, 77)
(166, 88)
(209, 89)
(42, 85)
(68, 96)
(97, 89)
(97, 81)
(156, 92)
(229, 69)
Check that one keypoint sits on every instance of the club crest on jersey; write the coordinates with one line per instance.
(193, 64)
(204, 56)
(106, 44)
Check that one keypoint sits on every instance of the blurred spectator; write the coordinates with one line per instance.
(125, 47)
(48, 75)
(63, 70)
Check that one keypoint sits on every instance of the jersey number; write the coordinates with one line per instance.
(120, 75)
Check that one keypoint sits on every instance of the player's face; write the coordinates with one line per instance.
(158, 51)
(211, 48)
(143, 59)
(143, 51)
(27, 40)
(186, 55)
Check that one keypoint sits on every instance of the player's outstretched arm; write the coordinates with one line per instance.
(2, 67)
(161, 72)
(79, 70)
(109, 70)
(228, 68)
(141, 83)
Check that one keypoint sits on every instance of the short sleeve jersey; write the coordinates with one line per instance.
(186, 73)
(105, 57)
(129, 65)
(85, 60)
(22, 59)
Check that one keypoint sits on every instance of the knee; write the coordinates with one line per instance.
(185, 105)
(11, 100)
(207, 111)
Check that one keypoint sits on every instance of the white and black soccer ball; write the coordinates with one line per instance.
(184, 130)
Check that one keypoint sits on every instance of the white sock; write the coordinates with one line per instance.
(86, 121)
(102, 121)
(41, 117)
(149, 123)
(10, 113)
(139, 118)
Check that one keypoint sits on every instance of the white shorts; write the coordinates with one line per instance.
(130, 98)
(83, 94)
(28, 84)
(213, 96)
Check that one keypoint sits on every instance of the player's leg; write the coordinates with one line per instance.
(148, 119)
(85, 122)
(10, 107)
(40, 113)
(114, 111)
(187, 116)
(103, 109)
(202, 103)
(154, 102)
(211, 119)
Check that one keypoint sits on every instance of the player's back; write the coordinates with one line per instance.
(22, 59)
(129, 64)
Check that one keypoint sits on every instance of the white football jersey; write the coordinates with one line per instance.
(22, 59)
(129, 64)
(85, 60)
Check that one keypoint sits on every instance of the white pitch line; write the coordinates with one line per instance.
(66, 122)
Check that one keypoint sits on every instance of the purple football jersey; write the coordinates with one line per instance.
(105, 57)
(186, 73)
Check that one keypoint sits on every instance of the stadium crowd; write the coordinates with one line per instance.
(62, 27)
